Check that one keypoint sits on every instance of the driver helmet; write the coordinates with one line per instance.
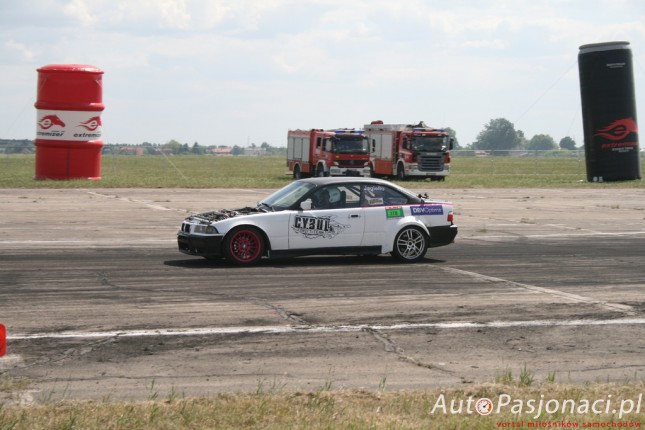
(334, 195)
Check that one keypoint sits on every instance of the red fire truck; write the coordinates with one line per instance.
(403, 150)
(338, 152)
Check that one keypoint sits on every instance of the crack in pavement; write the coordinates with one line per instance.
(292, 317)
(284, 313)
(392, 347)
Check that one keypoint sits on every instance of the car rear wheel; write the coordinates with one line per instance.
(244, 246)
(410, 245)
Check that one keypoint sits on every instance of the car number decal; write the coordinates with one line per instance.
(312, 227)
(394, 212)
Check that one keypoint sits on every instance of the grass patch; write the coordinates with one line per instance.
(123, 171)
(340, 409)
(9, 384)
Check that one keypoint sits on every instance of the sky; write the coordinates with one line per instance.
(236, 72)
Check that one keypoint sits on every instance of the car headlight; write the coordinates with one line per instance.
(204, 229)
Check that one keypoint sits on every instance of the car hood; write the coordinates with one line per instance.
(222, 214)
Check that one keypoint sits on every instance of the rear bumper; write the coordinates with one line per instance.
(443, 235)
(204, 246)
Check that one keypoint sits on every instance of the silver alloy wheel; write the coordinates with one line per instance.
(410, 244)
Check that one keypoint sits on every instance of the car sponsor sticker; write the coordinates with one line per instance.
(427, 210)
(312, 227)
(394, 212)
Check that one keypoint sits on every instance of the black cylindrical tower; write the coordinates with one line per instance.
(609, 112)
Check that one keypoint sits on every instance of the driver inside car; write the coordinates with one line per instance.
(327, 198)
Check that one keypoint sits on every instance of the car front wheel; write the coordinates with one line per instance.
(410, 245)
(244, 246)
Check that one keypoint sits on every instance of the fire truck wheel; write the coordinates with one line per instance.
(410, 245)
(244, 245)
(320, 171)
(400, 172)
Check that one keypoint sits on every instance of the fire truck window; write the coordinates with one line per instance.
(318, 142)
(328, 145)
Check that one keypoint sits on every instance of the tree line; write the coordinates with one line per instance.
(498, 135)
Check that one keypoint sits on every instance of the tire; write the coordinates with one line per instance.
(400, 172)
(244, 246)
(320, 171)
(410, 245)
(372, 174)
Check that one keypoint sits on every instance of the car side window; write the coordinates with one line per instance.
(336, 197)
(381, 195)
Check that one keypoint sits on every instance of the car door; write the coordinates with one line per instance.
(382, 206)
(337, 223)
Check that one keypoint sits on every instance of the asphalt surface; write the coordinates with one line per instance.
(99, 304)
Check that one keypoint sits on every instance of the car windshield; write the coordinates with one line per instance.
(429, 143)
(286, 197)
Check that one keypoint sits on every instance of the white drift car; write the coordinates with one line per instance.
(333, 215)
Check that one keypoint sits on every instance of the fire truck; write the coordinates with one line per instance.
(403, 150)
(337, 152)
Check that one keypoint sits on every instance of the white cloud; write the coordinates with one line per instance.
(78, 9)
(26, 53)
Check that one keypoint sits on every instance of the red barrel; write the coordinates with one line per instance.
(68, 124)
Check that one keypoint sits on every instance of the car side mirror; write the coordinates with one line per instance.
(305, 205)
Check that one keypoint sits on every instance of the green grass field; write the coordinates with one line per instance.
(123, 171)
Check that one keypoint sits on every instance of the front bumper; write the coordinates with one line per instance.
(201, 245)
(442, 235)
(349, 171)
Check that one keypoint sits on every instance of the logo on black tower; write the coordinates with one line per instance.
(618, 129)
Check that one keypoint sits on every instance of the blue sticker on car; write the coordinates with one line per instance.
(427, 210)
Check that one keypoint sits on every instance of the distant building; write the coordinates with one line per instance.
(222, 151)
(255, 151)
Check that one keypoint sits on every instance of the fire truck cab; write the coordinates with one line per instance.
(337, 152)
(403, 150)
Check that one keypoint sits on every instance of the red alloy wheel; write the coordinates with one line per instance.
(244, 246)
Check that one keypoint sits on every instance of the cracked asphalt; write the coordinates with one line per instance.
(99, 304)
